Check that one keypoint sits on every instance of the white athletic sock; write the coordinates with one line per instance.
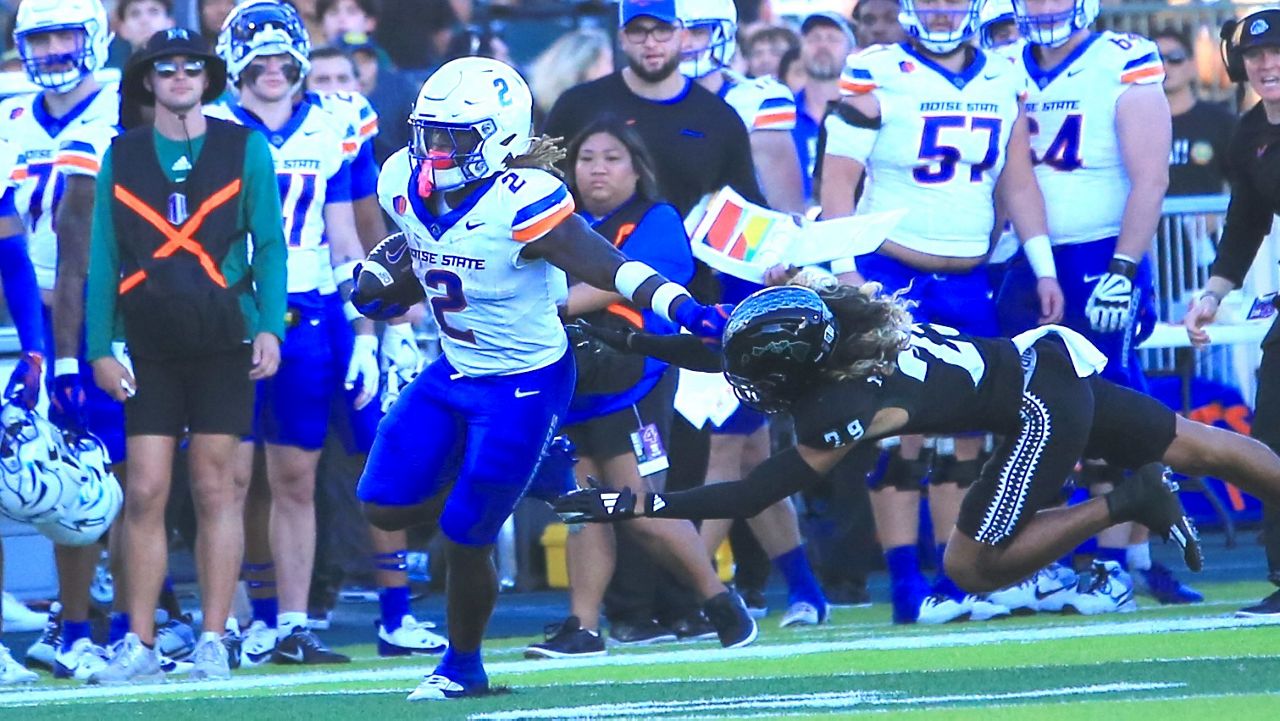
(1138, 556)
(288, 620)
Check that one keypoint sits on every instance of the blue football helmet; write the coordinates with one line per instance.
(260, 28)
(1054, 29)
(964, 25)
(60, 72)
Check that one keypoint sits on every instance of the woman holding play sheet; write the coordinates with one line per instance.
(619, 397)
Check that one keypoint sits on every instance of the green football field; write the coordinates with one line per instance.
(1167, 664)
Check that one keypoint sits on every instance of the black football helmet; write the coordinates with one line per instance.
(775, 342)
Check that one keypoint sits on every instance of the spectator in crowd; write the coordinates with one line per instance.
(825, 41)
(416, 31)
(309, 11)
(212, 13)
(576, 57)
(339, 17)
(612, 178)
(184, 378)
(875, 22)
(791, 71)
(764, 49)
(481, 41)
(1201, 130)
(138, 20)
(332, 71)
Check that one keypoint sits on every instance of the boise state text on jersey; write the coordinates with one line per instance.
(496, 310)
(1072, 114)
(50, 149)
(941, 144)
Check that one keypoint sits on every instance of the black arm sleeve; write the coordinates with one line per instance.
(777, 478)
(1248, 222)
(682, 349)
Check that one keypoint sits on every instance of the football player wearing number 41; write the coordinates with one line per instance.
(490, 234)
(1100, 139)
(850, 367)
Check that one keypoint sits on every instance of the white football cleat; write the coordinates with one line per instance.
(941, 608)
(983, 609)
(80, 661)
(17, 617)
(1055, 587)
(12, 672)
(257, 644)
(411, 638)
(1020, 598)
(1110, 590)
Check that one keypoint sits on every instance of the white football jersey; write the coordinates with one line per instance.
(941, 144)
(50, 149)
(8, 166)
(311, 148)
(762, 103)
(1072, 110)
(353, 109)
(496, 310)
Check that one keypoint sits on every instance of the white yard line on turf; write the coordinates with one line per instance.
(949, 638)
(832, 700)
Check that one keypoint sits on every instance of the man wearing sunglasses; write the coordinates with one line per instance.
(1200, 130)
(169, 256)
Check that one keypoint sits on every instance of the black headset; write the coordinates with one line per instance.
(1231, 35)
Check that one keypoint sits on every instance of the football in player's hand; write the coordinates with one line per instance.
(385, 284)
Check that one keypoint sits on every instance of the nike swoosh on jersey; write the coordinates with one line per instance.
(990, 77)
(472, 225)
(1074, 72)
(526, 394)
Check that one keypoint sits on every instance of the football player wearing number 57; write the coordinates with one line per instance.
(490, 234)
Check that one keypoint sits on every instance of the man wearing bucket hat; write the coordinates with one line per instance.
(169, 257)
(1251, 50)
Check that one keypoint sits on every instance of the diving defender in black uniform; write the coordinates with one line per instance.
(850, 367)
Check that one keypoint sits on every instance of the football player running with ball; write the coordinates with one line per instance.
(488, 231)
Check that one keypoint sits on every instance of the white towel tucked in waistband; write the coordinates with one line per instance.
(1086, 357)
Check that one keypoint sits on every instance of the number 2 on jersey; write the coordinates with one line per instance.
(452, 301)
(297, 191)
(943, 158)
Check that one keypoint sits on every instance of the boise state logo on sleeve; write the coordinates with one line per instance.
(401, 204)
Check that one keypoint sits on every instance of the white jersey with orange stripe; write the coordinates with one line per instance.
(355, 110)
(312, 153)
(762, 103)
(496, 310)
(50, 149)
(1072, 109)
(940, 147)
(8, 166)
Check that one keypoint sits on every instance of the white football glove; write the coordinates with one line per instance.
(363, 369)
(402, 360)
(1114, 299)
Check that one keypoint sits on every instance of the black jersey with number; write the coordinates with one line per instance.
(946, 381)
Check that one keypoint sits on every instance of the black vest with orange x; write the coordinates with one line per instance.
(173, 238)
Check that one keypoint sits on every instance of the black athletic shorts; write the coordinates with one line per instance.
(1064, 418)
(208, 394)
(610, 436)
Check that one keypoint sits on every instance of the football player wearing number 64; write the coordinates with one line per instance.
(489, 234)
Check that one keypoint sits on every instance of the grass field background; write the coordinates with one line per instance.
(1160, 663)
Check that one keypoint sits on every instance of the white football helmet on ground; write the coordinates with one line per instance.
(720, 19)
(471, 117)
(87, 516)
(35, 482)
(60, 72)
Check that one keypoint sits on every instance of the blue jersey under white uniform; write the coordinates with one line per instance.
(490, 405)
